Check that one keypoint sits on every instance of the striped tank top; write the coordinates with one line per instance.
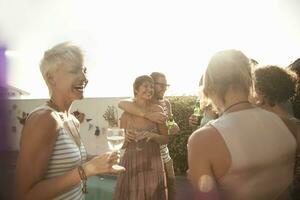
(164, 151)
(66, 156)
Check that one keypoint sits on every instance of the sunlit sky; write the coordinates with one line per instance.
(126, 38)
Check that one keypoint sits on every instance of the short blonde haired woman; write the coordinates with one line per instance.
(52, 162)
(247, 153)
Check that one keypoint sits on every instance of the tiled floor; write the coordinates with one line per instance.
(7, 169)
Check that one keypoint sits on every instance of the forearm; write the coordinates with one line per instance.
(51, 188)
(160, 139)
(130, 107)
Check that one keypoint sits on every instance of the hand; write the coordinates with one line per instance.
(193, 120)
(103, 164)
(149, 136)
(130, 135)
(174, 130)
(157, 117)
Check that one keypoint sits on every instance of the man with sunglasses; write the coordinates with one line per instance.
(160, 87)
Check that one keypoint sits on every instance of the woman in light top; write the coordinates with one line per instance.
(247, 153)
(52, 162)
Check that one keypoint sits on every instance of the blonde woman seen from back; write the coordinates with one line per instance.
(247, 153)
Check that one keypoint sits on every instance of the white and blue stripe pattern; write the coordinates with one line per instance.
(164, 151)
(65, 157)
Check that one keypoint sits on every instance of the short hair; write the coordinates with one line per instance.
(275, 84)
(139, 81)
(57, 56)
(227, 68)
(156, 75)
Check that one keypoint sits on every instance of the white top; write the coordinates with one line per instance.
(164, 151)
(65, 156)
(262, 152)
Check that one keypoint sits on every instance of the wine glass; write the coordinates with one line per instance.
(138, 135)
(115, 139)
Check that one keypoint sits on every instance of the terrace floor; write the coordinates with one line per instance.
(99, 187)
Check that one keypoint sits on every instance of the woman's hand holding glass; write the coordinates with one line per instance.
(130, 135)
(135, 135)
(103, 164)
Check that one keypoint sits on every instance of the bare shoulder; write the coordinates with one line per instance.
(207, 141)
(45, 118)
(38, 126)
(124, 119)
(207, 145)
(156, 108)
(204, 135)
(124, 116)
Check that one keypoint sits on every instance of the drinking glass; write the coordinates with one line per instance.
(115, 139)
(138, 135)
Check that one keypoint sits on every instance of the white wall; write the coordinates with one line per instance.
(94, 108)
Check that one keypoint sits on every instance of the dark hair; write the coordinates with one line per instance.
(275, 84)
(156, 75)
(139, 81)
(295, 66)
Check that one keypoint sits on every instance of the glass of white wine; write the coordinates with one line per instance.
(115, 139)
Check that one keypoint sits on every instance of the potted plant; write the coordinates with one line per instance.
(111, 116)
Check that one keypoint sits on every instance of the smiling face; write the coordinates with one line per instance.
(143, 87)
(69, 81)
(144, 91)
(160, 87)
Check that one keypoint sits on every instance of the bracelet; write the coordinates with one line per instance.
(83, 178)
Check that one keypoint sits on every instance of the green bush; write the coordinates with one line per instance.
(182, 107)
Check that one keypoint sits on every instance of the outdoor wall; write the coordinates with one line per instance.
(94, 108)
